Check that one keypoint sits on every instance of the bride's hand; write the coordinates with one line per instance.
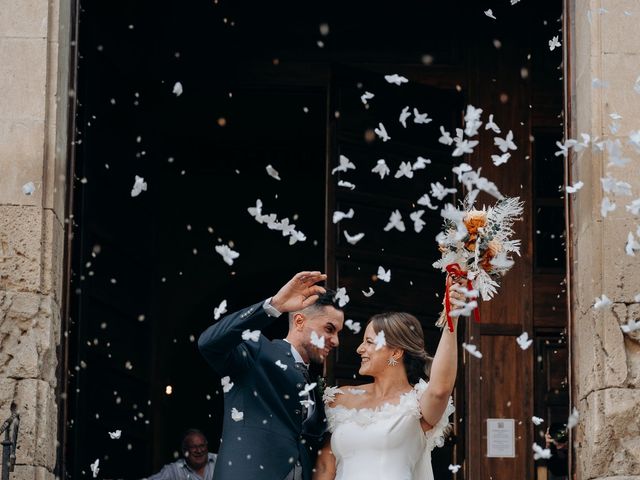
(454, 293)
(299, 292)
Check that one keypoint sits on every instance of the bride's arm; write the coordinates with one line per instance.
(443, 372)
(326, 463)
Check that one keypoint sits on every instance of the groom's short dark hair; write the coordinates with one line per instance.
(326, 299)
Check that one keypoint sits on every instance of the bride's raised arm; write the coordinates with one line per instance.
(442, 378)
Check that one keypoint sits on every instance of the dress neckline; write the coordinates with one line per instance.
(378, 408)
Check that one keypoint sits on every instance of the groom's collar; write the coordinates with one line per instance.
(296, 355)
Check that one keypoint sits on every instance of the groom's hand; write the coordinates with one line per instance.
(299, 292)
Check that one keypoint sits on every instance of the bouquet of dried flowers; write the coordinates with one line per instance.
(477, 245)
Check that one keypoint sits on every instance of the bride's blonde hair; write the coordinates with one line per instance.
(403, 330)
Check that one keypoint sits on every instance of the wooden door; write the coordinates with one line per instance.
(415, 285)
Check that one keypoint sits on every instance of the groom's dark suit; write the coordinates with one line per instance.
(272, 436)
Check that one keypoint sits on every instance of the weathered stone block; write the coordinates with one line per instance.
(28, 472)
(20, 248)
(38, 421)
(24, 18)
(29, 333)
(609, 433)
(619, 32)
(21, 152)
(23, 78)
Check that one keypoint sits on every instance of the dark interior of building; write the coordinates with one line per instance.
(276, 84)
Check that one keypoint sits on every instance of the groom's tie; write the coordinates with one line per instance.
(307, 378)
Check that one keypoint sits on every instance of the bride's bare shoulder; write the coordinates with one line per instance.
(347, 396)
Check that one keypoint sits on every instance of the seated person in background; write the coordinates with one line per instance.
(197, 464)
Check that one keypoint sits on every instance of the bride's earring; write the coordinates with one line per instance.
(392, 362)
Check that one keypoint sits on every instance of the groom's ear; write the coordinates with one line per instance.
(298, 320)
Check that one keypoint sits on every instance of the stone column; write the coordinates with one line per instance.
(34, 50)
(605, 57)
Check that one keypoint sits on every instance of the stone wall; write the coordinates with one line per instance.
(34, 48)
(605, 47)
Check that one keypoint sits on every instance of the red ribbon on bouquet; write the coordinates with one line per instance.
(455, 270)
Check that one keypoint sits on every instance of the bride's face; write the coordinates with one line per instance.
(373, 361)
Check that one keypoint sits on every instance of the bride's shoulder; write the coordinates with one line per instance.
(345, 396)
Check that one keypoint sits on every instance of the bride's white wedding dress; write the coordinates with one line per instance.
(383, 443)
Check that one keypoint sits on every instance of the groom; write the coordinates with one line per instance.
(273, 420)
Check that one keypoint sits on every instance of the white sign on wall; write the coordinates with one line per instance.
(501, 437)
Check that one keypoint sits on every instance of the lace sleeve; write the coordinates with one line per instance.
(435, 436)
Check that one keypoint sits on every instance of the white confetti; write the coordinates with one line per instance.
(395, 221)
(634, 207)
(381, 168)
(380, 341)
(490, 125)
(317, 340)
(368, 293)
(454, 468)
(366, 96)
(426, 201)
(345, 184)
(339, 216)
(489, 13)
(353, 239)
(345, 164)
(396, 79)
(500, 159)
(382, 132)
(227, 254)
(220, 310)
(404, 170)
(554, 43)
(307, 388)
(631, 326)
(254, 335)
(353, 326)
(281, 365)
(524, 341)
(505, 144)
(226, 383)
(115, 435)
(445, 137)
(472, 349)
(602, 302)
(308, 403)
(539, 452)
(28, 188)
(95, 467)
(606, 206)
(177, 89)
(273, 173)
(439, 191)
(418, 223)
(342, 297)
(572, 421)
(384, 275)
(632, 245)
(421, 118)
(575, 187)
(404, 114)
(139, 186)
(537, 420)
(236, 415)
(421, 163)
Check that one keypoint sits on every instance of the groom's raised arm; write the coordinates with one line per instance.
(221, 344)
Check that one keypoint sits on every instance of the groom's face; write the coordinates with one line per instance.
(326, 322)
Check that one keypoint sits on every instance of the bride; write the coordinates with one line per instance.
(387, 429)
